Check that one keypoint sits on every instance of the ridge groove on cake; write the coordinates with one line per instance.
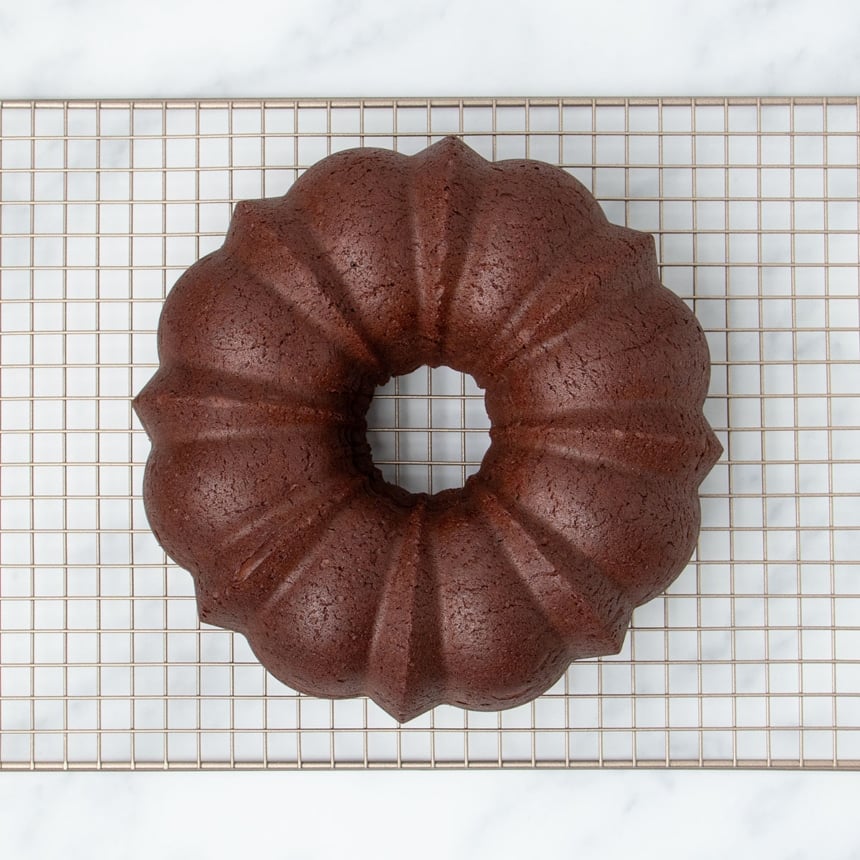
(295, 249)
(567, 608)
(404, 665)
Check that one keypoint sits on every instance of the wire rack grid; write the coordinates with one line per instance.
(752, 658)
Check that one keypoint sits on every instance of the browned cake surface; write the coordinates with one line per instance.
(260, 480)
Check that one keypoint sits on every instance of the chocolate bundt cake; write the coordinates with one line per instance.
(260, 481)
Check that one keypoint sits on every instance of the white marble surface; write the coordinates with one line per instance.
(85, 48)
(318, 816)
(81, 48)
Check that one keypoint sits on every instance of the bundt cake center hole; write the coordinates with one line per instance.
(428, 430)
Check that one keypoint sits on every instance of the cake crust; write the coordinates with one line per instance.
(260, 480)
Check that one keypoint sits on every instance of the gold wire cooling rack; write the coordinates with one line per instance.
(752, 658)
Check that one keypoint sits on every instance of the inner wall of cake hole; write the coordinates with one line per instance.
(428, 430)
